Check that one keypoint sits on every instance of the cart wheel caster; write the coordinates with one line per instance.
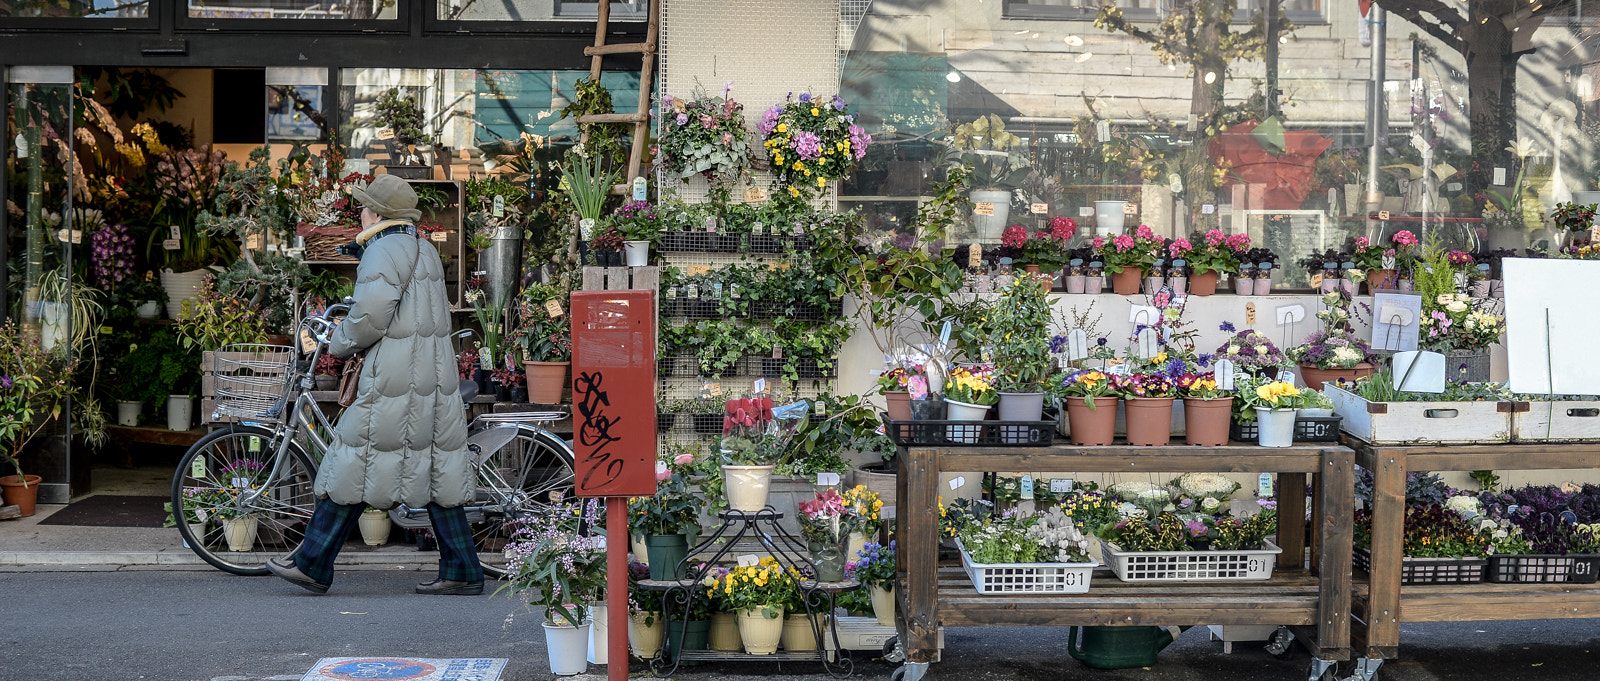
(899, 674)
(1280, 642)
(1321, 668)
(1366, 669)
(893, 653)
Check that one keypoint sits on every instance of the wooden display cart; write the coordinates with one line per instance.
(1311, 601)
(1380, 603)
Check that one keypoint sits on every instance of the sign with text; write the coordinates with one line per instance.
(613, 393)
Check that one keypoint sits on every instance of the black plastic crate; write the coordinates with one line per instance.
(699, 242)
(707, 424)
(971, 433)
(1543, 568)
(678, 366)
(665, 422)
(1428, 570)
(765, 243)
(1306, 429)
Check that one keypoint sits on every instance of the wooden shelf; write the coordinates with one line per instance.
(156, 436)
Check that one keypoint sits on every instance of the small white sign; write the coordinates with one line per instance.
(1396, 326)
(1291, 314)
(1039, 208)
(1264, 486)
(1027, 487)
(197, 469)
(1085, 211)
(1500, 176)
(886, 513)
(171, 244)
(1223, 371)
(1207, 208)
(827, 479)
(640, 186)
(177, 233)
(749, 560)
(958, 482)
(1419, 372)
(1452, 186)
(1147, 343)
(1077, 344)
(760, 385)
(1144, 314)
(1060, 485)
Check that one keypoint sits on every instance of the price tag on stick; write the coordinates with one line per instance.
(749, 560)
(827, 479)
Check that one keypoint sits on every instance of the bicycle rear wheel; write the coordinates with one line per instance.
(520, 480)
(207, 499)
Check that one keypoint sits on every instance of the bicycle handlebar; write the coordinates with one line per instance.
(321, 326)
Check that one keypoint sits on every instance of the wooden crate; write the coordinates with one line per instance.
(1400, 423)
(621, 278)
(864, 633)
(1561, 421)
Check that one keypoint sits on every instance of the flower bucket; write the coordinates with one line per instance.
(646, 639)
(636, 252)
(198, 531)
(1275, 427)
(180, 412)
(599, 634)
(1021, 406)
(961, 411)
(1180, 285)
(1109, 218)
(1095, 426)
(828, 557)
(1075, 283)
(747, 487)
(1093, 285)
(1126, 282)
(546, 381)
(1244, 286)
(760, 634)
(1149, 421)
(666, 553)
(899, 405)
(128, 413)
(1206, 421)
(240, 532)
(149, 309)
(882, 604)
(566, 647)
(1263, 286)
(857, 544)
(375, 526)
(989, 227)
(181, 286)
(1152, 285)
(724, 634)
(799, 634)
(692, 634)
(1314, 377)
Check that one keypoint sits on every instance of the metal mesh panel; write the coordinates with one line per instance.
(766, 49)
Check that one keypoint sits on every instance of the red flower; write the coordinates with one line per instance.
(1014, 236)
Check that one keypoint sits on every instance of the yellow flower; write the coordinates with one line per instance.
(799, 166)
(783, 127)
(1160, 358)
(814, 111)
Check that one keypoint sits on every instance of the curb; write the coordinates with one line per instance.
(177, 559)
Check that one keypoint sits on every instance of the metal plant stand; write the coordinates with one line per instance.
(761, 526)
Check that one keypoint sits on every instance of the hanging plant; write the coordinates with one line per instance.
(704, 136)
(810, 141)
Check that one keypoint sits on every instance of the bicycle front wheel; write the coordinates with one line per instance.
(520, 480)
(212, 500)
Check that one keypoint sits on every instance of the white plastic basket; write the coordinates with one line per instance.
(1039, 578)
(1186, 566)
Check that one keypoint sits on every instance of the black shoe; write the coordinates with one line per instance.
(450, 587)
(290, 572)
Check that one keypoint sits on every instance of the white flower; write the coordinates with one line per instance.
(1465, 506)
(1456, 306)
(1501, 534)
(1210, 504)
(1347, 355)
(1169, 508)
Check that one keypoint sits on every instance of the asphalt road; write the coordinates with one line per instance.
(202, 625)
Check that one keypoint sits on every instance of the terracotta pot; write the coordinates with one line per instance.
(1045, 282)
(1382, 280)
(1206, 421)
(1097, 426)
(20, 492)
(1203, 284)
(1149, 421)
(1314, 377)
(1126, 282)
(546, 381)
(899, 405)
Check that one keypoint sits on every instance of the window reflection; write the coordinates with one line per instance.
(292, 9)
(538, 10)
(72, 9)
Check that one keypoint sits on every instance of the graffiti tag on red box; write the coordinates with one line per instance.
(613, 393)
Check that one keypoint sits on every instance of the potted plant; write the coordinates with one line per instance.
(1207, 409)
(1265, 263)
(1019, 331)
(691, 630)
(1211, 255)
(998, 550)
(375, 525)
(1251, 352)
(1336, 353)
(874, 567)
(34, 392)
(606, 246)
(647, 626)
(757, 594)
(562, 571)
(587, 188)
(826, 522)
(402, 117)
(1148, 395)
(756, 437)
(1276, 405)
(892, 386)
(1127, 257)
(810, 141)
(723, 632)
(867, 505)
(327, 372)
(968, 394)
(502, 379)
(985, 147)
(545, 338)
(1317, 405)
(1091, 403)
(704, 136)
(1575, 221)
(1383, 262)
(640, 227)
(664, 518)
(195, 514)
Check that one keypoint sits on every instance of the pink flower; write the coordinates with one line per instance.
(1014, 236)
(1063, 228)
(662, 472)
(1144, 232)
(1179, 248)
(1214, 237)
(1361, 242)
(1388, 252)
(1239, 242)
(1122, 242)
(727, 138)
(1404, 238)
(683, 459)
(1099, 242)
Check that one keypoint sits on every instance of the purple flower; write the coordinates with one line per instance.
(1205, 359)
(5, 382)
(1101, 341)
(1227, 327)
(769, 120)
(683, 119)
(1176, 368)
(805, 98)
(808, 145)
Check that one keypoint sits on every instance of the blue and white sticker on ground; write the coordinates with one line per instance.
(405, 669)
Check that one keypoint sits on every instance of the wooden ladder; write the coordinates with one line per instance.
(641, 118)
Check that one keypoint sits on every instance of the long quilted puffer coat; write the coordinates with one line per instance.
(404, 438)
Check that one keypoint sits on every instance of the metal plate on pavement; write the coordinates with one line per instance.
(405, 669)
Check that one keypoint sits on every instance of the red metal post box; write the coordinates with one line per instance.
(613, 393)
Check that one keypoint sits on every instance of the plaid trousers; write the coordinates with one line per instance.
(332, 524)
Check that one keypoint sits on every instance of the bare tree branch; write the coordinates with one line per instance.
(1445, 23)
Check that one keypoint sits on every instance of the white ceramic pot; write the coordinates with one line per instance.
(637, 253)
(565, 646)
(747, 487)
(599, 634)
(853, 549)
(989, 227)
(760, 633)
(55, 318)
(240, 532)
(1275, 427)
(1108, 217)
(961, 411)
(646, 639)
(182, 286)
(640, 553)
(180, 412)
(149, 309)
(375, 526)
(724, 634)
(882, 604)
(128, 413)
(800, 631)
(199, 532)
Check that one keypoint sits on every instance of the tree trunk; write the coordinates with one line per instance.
(1206, 98)
(1491, 85)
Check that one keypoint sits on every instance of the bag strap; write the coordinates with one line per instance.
(415, 265)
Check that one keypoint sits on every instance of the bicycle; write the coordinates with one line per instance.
(255, 477)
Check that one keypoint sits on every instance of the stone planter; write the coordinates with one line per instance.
(375, 526)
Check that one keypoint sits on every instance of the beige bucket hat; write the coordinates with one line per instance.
(390, 197)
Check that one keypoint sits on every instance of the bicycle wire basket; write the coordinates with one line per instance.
(250, 381)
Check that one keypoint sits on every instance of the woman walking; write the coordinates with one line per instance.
(403, 439)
